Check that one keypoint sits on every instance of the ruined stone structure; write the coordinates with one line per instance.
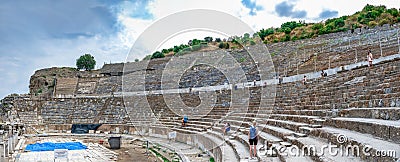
(354, 100)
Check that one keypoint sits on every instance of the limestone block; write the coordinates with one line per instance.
(395, 134)
(381, 131)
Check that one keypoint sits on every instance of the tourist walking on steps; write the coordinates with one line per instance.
(370, 58)
(227, 128)
(253, 139)
(305, 80)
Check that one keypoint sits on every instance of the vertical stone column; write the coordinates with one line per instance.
(2, 148)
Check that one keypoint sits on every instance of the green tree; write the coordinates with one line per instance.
(195, 42)
(368, 7)
(176, 49)
(393, 11)
(221, 45)
(252, 42)
(157, 54)
(287, 30)
(265, 32)
(246, 36)
(208, 39)
(136, 60)
(291, 25)
(339, 22)
(317, 26)
(165, 51)
(86, 62)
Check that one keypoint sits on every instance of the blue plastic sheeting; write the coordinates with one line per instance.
(50, 146)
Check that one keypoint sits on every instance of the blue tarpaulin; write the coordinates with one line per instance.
(50, 146)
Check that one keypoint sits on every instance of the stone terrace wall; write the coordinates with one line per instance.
(360, 88)
(333, 50)
(357, 88)
(84, 110)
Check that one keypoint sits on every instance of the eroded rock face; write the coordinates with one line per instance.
(43, 81)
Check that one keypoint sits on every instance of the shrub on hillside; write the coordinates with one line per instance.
(265, 32)
(223, 45)
(157, 54)
(372, 23)
(148, 57)
(252, 42)
(384, 21)
(317, 26)
(394, 12)
(196, 47)
(208, 39)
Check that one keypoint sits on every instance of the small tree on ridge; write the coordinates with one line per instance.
(86, 62)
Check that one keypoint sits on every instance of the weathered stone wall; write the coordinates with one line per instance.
(90, 98)
(84, 110)
(360, 88)
(43, 81)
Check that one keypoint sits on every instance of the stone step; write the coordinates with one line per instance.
(320, 154)
(306, 130)
(275, 131)
(285, 124)
(388, 113)
(295, 118)
(354, 138)
(261, 154)
(315, 126)
(299, 135)
(189, 125)
(318, 121)
(286, 144)
(386, 129)
(240, 149)
(228, 153)
(269, 138)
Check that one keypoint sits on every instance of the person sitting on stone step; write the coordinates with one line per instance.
(323, 73)
(227, 128)
(184, 121)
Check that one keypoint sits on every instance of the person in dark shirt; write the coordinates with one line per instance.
(305, 80)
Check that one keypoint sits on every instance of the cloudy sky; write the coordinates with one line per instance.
(46, 33)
